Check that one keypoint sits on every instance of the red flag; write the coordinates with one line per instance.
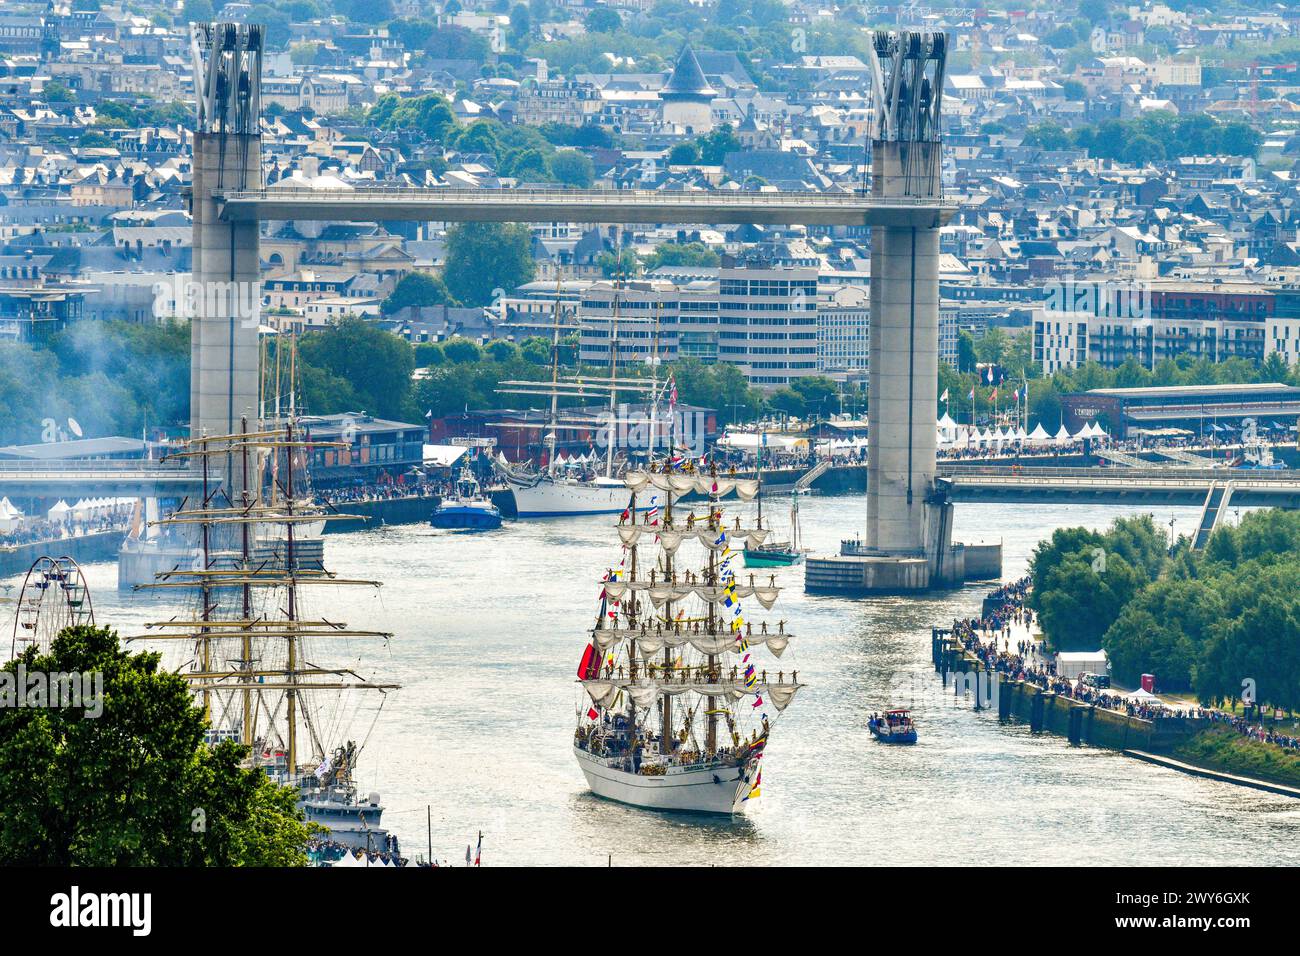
(585, 667)
(591, 712)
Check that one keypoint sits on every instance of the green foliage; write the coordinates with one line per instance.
(722, 386)
(418, 289)
(114, 378)
(484, 257)
(1198, 621)
(603, 20)
(681, 254)
(623, 265)
(1152, 136)
(1082, 579)
(56, 92)
(121, 789)
(375, 364)
(571, 168)
(684, 154)
(1223, 749)
(431, 114)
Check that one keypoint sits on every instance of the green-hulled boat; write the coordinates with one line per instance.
(778, 554)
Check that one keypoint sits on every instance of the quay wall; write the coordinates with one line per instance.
(412, 510)
(100, 546)
(1047, 712)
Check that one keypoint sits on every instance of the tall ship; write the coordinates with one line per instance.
(556, 491)
(678, 702)
(268, 673)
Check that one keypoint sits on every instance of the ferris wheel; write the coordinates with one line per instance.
(54, 597)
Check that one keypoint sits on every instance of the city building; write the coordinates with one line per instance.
(1200, 409)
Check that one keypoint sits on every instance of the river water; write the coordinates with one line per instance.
(489, 629)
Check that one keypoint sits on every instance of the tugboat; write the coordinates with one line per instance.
(466, 508)
(893, 727)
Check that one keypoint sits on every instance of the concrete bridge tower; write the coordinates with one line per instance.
(227, 279)
(908, 541)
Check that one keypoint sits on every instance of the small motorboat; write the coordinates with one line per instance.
(893, 727)
(466, 508)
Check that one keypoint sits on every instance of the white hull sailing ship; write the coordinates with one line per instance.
(552, 492)
(553, 496)
(258, 664)
(677, 705)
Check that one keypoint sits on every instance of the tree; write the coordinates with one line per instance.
(376, 364)
(966, 358)
(572, 168)
(603, 20)
(681, 254)
(787, 401)
(715, 146)
(123, 788)
(1095, 11)
(520, 24)
(623, 265)
(462, 351)
(418, 290)
(684, 154)
(484, 258)
(1273, 368)
(56, 92)
(303, 54)
(197, 11)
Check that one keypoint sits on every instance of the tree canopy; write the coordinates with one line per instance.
(136, 785)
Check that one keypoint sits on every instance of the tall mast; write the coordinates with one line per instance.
(654, 390)
(711, 578)
(291, 574)
(553, 424)
(245, 554)
(613, 365)
(205, 592)
(666, 726)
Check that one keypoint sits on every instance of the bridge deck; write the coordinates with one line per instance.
(1174, 485)
(582, 205)
(121, 478)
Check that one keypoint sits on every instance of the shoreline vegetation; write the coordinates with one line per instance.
(1220, 625)
(1225, 750)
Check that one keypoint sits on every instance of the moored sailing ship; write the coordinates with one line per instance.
(677, 710)
(252, 650)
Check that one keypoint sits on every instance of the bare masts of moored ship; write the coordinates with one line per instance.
(269, 659)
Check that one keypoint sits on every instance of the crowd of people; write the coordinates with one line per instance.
(40, 530)
(989, 638)
(386, 491)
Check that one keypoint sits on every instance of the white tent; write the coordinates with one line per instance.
(59, 513)
(9, 516)
(1039, 434)
(1020, 434)
(1098, 431)
(1062, 435)
(442, 456)
(1144, 697)
(81, 511)
(1070, 664)
(1084, 432)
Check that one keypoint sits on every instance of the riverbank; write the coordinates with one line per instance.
(1224, 750)
(98, 546)
(1006, 672)
(1209, 774)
